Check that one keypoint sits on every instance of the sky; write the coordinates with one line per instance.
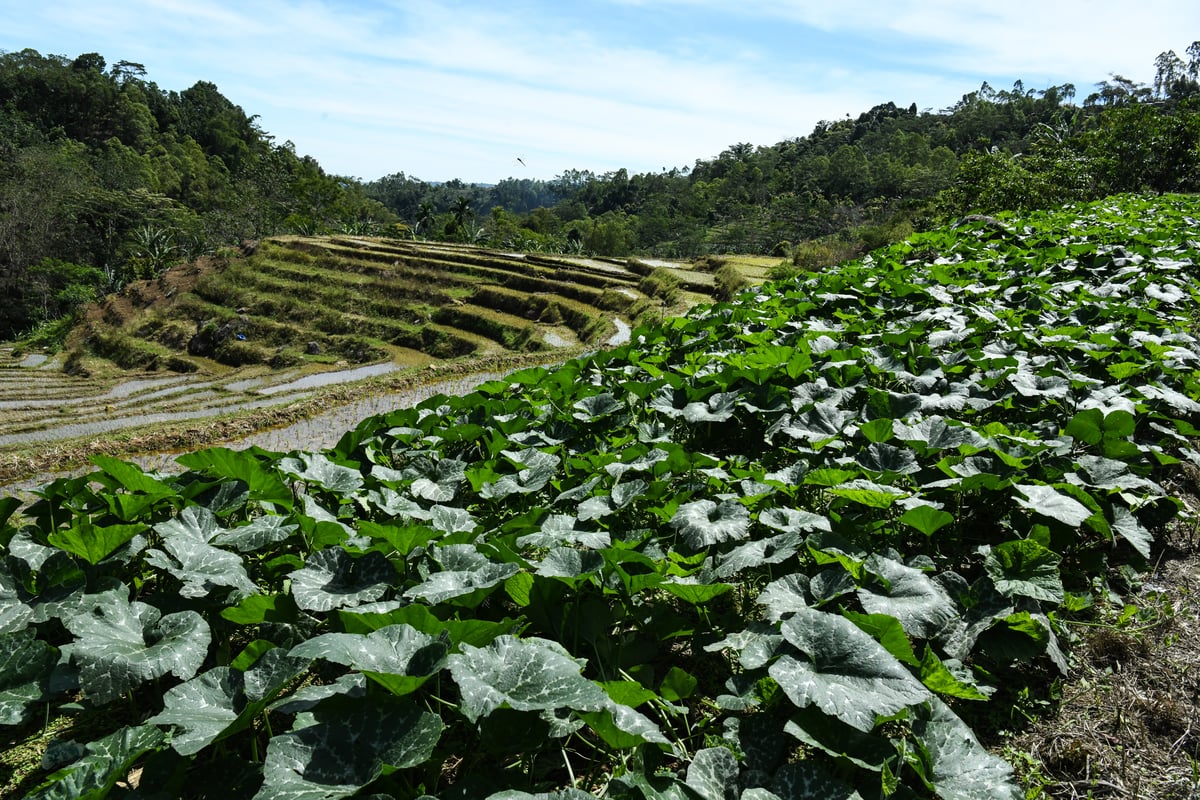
(483, 90)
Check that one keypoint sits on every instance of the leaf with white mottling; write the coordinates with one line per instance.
(121, 645)
(332, 578)
(399, 657)
(1049, 502)
(25, 665)
(713, 774)
(846, 674)
(961, 768)
(318, 469)
(346, 748)
(530, 674)
(702, 522)
(907, 594)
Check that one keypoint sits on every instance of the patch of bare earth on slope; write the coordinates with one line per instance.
(1127, 721)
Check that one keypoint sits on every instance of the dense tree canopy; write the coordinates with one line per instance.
(852, 184)
(105, 177)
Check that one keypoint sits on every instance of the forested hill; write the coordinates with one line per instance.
(106, 178)
(851, 184)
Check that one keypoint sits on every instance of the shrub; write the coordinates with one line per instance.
(285, 357)
(236, 353)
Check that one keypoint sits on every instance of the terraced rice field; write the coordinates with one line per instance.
(302, 314)
(416, 302)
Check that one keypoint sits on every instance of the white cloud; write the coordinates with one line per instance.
(445, 89)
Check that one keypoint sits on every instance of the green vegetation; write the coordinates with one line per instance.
(105, 178)
(810, 543)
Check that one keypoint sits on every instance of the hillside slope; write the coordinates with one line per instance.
(258, 333)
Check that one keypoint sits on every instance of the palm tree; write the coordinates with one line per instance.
(425, 216)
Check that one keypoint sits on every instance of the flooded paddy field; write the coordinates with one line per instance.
(84, 410)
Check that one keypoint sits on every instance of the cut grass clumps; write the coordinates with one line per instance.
(131, 352)
(661, 284)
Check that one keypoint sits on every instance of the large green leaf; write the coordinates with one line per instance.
(398, 657)
(332, 578)
(317, 469)
(702, 523)
(822, 422)
(264, 483)
(768, 550)
(465, 571)
(439, 480)
(907, 594)
(346, 746)
(535, 468)
(719, 407)
(713, 774)
(1131, 530)
(132, 477)
(199, 566)
(884, 458)
(806, 780)
(102, 763)
(623, 727)
(959, 766)
(1048, 502)
(560, 529)
(845, 672)
(927, 519)
(567, 562)
(256, 534)
(530, 674)
(596, 406)
(94, 543)
(222, 701)
(25, 666)
(15, 614)
(120, 645)
(1025, 567)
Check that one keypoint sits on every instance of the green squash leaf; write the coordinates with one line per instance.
(1048, 502)
(702, 523)
(530, 674)
(121, 645)
(1024, 567)
(332, 578)
(104, 762)
(845, 672)
(222, 701)
(25, 666)
(398, 657)
(960, 768)
(347, 746)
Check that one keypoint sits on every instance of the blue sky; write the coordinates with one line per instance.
(440, 90)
